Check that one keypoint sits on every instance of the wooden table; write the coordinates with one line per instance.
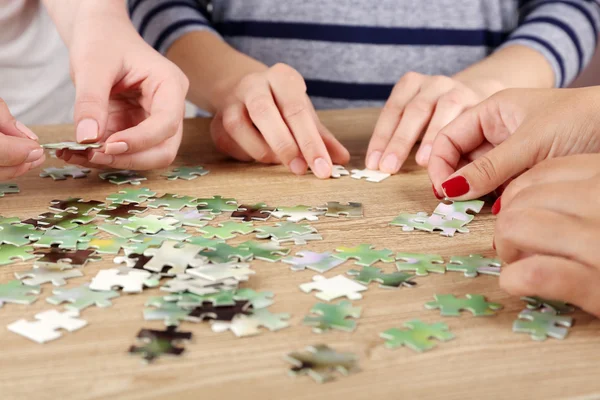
(486, 360)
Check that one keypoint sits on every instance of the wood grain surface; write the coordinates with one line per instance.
(486, 360)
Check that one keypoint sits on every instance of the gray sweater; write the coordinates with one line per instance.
(352, 52)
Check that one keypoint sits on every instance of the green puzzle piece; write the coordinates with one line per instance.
(268, 251)
(209, 244)
(227, 230)
(451, 306)
(104, 246)
(66, 239)
(117, 230)
(60, 174)
(130, 195)
(429, 223)
(393, 280)
(320, 362)
(283, 230)
(421, 264)
(557, 306)
(222, 253)
(172, 202)
(82, 297)
(542, 325)
(169, 312)
(364, 254)
(459, 209)
(474, 265)
(217, 205)
(258, 300)
(16, 233)
(18, 293)
(122, 177)
(70, 221)
(332, 316)
(10, 253)
(190, 300)
(75, 205)
(141, 242)
(155, 344)
(187, 173)
(150, 224)
(8, 188)
(418, 336)
(191, 218)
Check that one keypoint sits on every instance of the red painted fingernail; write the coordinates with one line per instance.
(494, 244)
(456, 186)
(435, 192)
(497, 205)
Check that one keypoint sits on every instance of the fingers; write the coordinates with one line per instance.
(554, 278)
(226, 144)
(15, 151)
(404, 91)
(338, 153)
(10, 126)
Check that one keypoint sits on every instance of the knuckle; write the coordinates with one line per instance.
(251, 80)
(293, 108)
(289, 75)
(286, 150)
(259, 105)
(419, 106)
(507, 224)
(409, 77)
(452, 98)
(534, 276)
(232, 121)
(485, 168)
(441, 80)
(264, 156)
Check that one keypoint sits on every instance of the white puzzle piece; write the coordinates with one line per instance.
(130, 280)
(218, 272)
(47, 325)
(332, 288)
(41, 275)
(370, 175)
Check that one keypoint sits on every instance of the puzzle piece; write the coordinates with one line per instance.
(283, 230)
(393, 280)
(63, 259)
(76, 205)
(451, 306)
(418, 337)
(10, 253)
(556, 306)
(117, 230)
(186, 173)
(222, 253)
(131, 195)
(191, 218)
(133, 281)
(421, 264)
(256, 212)
(41, 275)
(16, 233)
(66, 239)
(43, 221)
(172, 202)
(319, 262)
(298, 213)
(474, 265)
(459, 210)
(71, 146)
(17, 293)
(47, 326)
(219, 272)
(169, 312)
(61, 174)
(217, 205)
(105, 246)
(198, 286)
(8, 188)
(268, 251)
(122, 177)
(82, 297)
(335, 209)
(429, 223)
(298, 239)
(248, 325)
(141, 242)
(320, 362)
(226, 313)
(191, 300)
(256, 299)
(71, 221)
(542, 325)
(370, 175)
(178, 256)
(156, 343)
(332, 288)
(150, 224)
(337, 171)
(135, 261)
(120, 212)
(333, 316)
(364, 254)
(227, 230)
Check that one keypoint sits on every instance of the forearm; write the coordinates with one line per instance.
(212, 66)
(513, 66)
(65, 12)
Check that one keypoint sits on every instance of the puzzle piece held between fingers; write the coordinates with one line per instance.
(332, 288)
(474, 265)
(61, 174)
(542, 325)
(370, 175)
(418, 336)
(71, 146)
(459, 210)
(47, 326)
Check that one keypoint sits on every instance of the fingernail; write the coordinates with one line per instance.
(390, 164)
(373, 160)
(435, 192)
(116, 148)
(87, 130)
(423, 155)
(101, 158)
(456, 186)
(26, 131)
(321, 168)
(35, 155)
(37, 163)
(497, 206)
(494, 243)
(298, 166)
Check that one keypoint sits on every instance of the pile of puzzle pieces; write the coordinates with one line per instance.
(173, 243)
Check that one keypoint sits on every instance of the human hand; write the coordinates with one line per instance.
(421, 103)
(547, 231)
(19, 149)
(129, 97)
(269, 118)
(509, 133)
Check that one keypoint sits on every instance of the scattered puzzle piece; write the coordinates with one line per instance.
(335, 209)
(191, 218)
(364, 254)
(370, 175)
(451, 306)
(63, 259)
(268, 251)
(542, 324)
(298, 238)
(256, 212)
(75, 205)
(8, 188)
(81, 297)
(71, 146)
(186, 173)
(47, 326)
(156, 343)
(332, 288)
(429, 223)
(248, 325)
(131, 282)
(219, 272)
(150, 224)
(61, 174)
(122, 177)
(120, 212)
(320, 362)
(17, 293)
(256, 299)
(66, 239)
(177, 256)
(217, 205)
(117, 230)
(221, 298)
(227, 230)
(297, 213)
(556, 306)
(71, 221)
(10, 253)
(474, 265)
(319, 262)
(226, 313)
(16, 233)
(421, 264)
(172, 202)
(141, 242)
(131, 195)
(40, 275)
(198, 286)
(333, 316)
(284, 230)
(393, 280)
(222, 253)
(169, 312)
(418, 337)
(43, 221)
(105, 246)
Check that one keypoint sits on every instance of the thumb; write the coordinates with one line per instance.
(489, 171)
(93, 84)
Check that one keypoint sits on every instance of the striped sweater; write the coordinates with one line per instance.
(352, 52)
